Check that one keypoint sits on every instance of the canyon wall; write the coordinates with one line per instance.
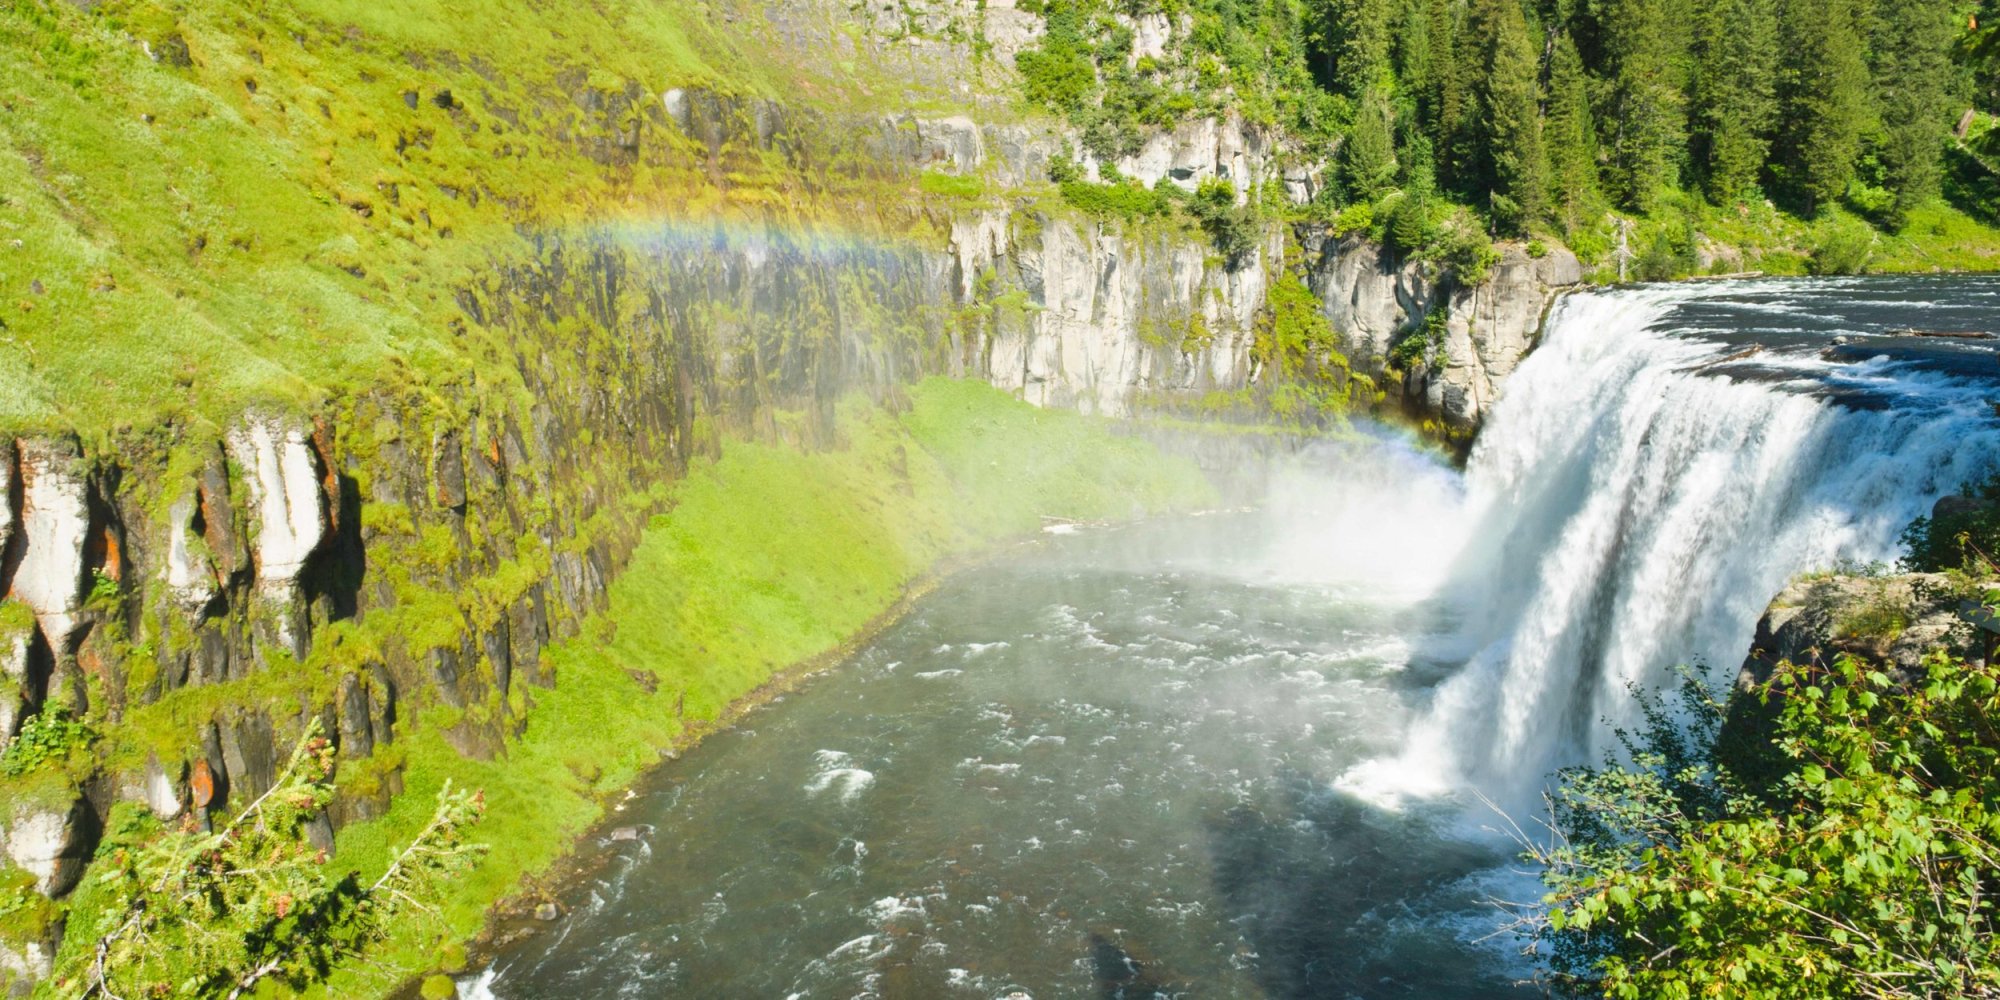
(201, 593)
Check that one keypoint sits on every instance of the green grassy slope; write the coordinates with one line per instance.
(209, 206)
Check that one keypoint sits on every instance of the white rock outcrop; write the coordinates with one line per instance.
(29, 961)
(45, 842)
(6, 495)
(1492, 328)
(287, 507)
(54, 526)
(1371, 298)
(953, 144)
(190, 576)
(1375, 299)
(159, 792)
(1151, 34)
(1111, 319)
(16, 687)
(1196, 151)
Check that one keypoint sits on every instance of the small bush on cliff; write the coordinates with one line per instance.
(188, 912)
(1864, 864)
(1960, 535)
(1233, 229)
(47, 737)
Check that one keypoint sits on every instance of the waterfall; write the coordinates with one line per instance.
(1643, 489)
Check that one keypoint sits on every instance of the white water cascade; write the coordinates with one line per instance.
(1629, 511)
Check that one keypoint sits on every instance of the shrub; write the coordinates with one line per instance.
(47, 737)
(1356, 218)
(1234, 230)
(1963, 536)
(1841, 245)
(1861, 862)
(193, 912)
(1126, 199)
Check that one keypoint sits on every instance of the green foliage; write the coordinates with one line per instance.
(192, 912)
(1914, 84)
(1668, 251)
(1534, 112)
(1511, 100)
(1964, 538)
(1124, 199)
(1646, 121)
(1249, 57)
(1861, 862)
(1233, 229)
(256, 218)
(1368, 157)
(1571, 137)
(1736, 96)
(25, 914)
(47, 738)
(945, 185)
(1841, 245)
(1424, 346)
(1824, 87)
(1059, 73)
(1297, 352)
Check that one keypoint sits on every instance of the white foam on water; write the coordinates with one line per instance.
(837, 773)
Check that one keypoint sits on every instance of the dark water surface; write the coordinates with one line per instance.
(1098, 767)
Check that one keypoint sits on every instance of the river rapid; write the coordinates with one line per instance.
(1267, 753)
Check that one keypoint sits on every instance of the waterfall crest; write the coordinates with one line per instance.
(1646, 484)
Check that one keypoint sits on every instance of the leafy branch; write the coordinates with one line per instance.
(216, 913)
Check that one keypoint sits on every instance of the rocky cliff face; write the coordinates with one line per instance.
(1377, 302)
(201, 594)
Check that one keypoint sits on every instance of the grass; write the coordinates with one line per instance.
(771, 556)
(286, 214)
(1934, 237)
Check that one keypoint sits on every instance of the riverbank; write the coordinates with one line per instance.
(773, 559)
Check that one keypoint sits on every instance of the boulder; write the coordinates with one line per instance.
(1891, 621)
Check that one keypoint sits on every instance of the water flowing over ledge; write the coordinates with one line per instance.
(1656, 471)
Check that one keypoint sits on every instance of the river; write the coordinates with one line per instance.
(1265, 753)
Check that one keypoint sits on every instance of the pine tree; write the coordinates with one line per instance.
(1510, 99)
(1914, 79)
(1823, 91)
(1357, 35)
(1368, 158)
(1736, 97)
(1570, 136)
(1646, 115)
(1414, 60)
(1448, 101)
